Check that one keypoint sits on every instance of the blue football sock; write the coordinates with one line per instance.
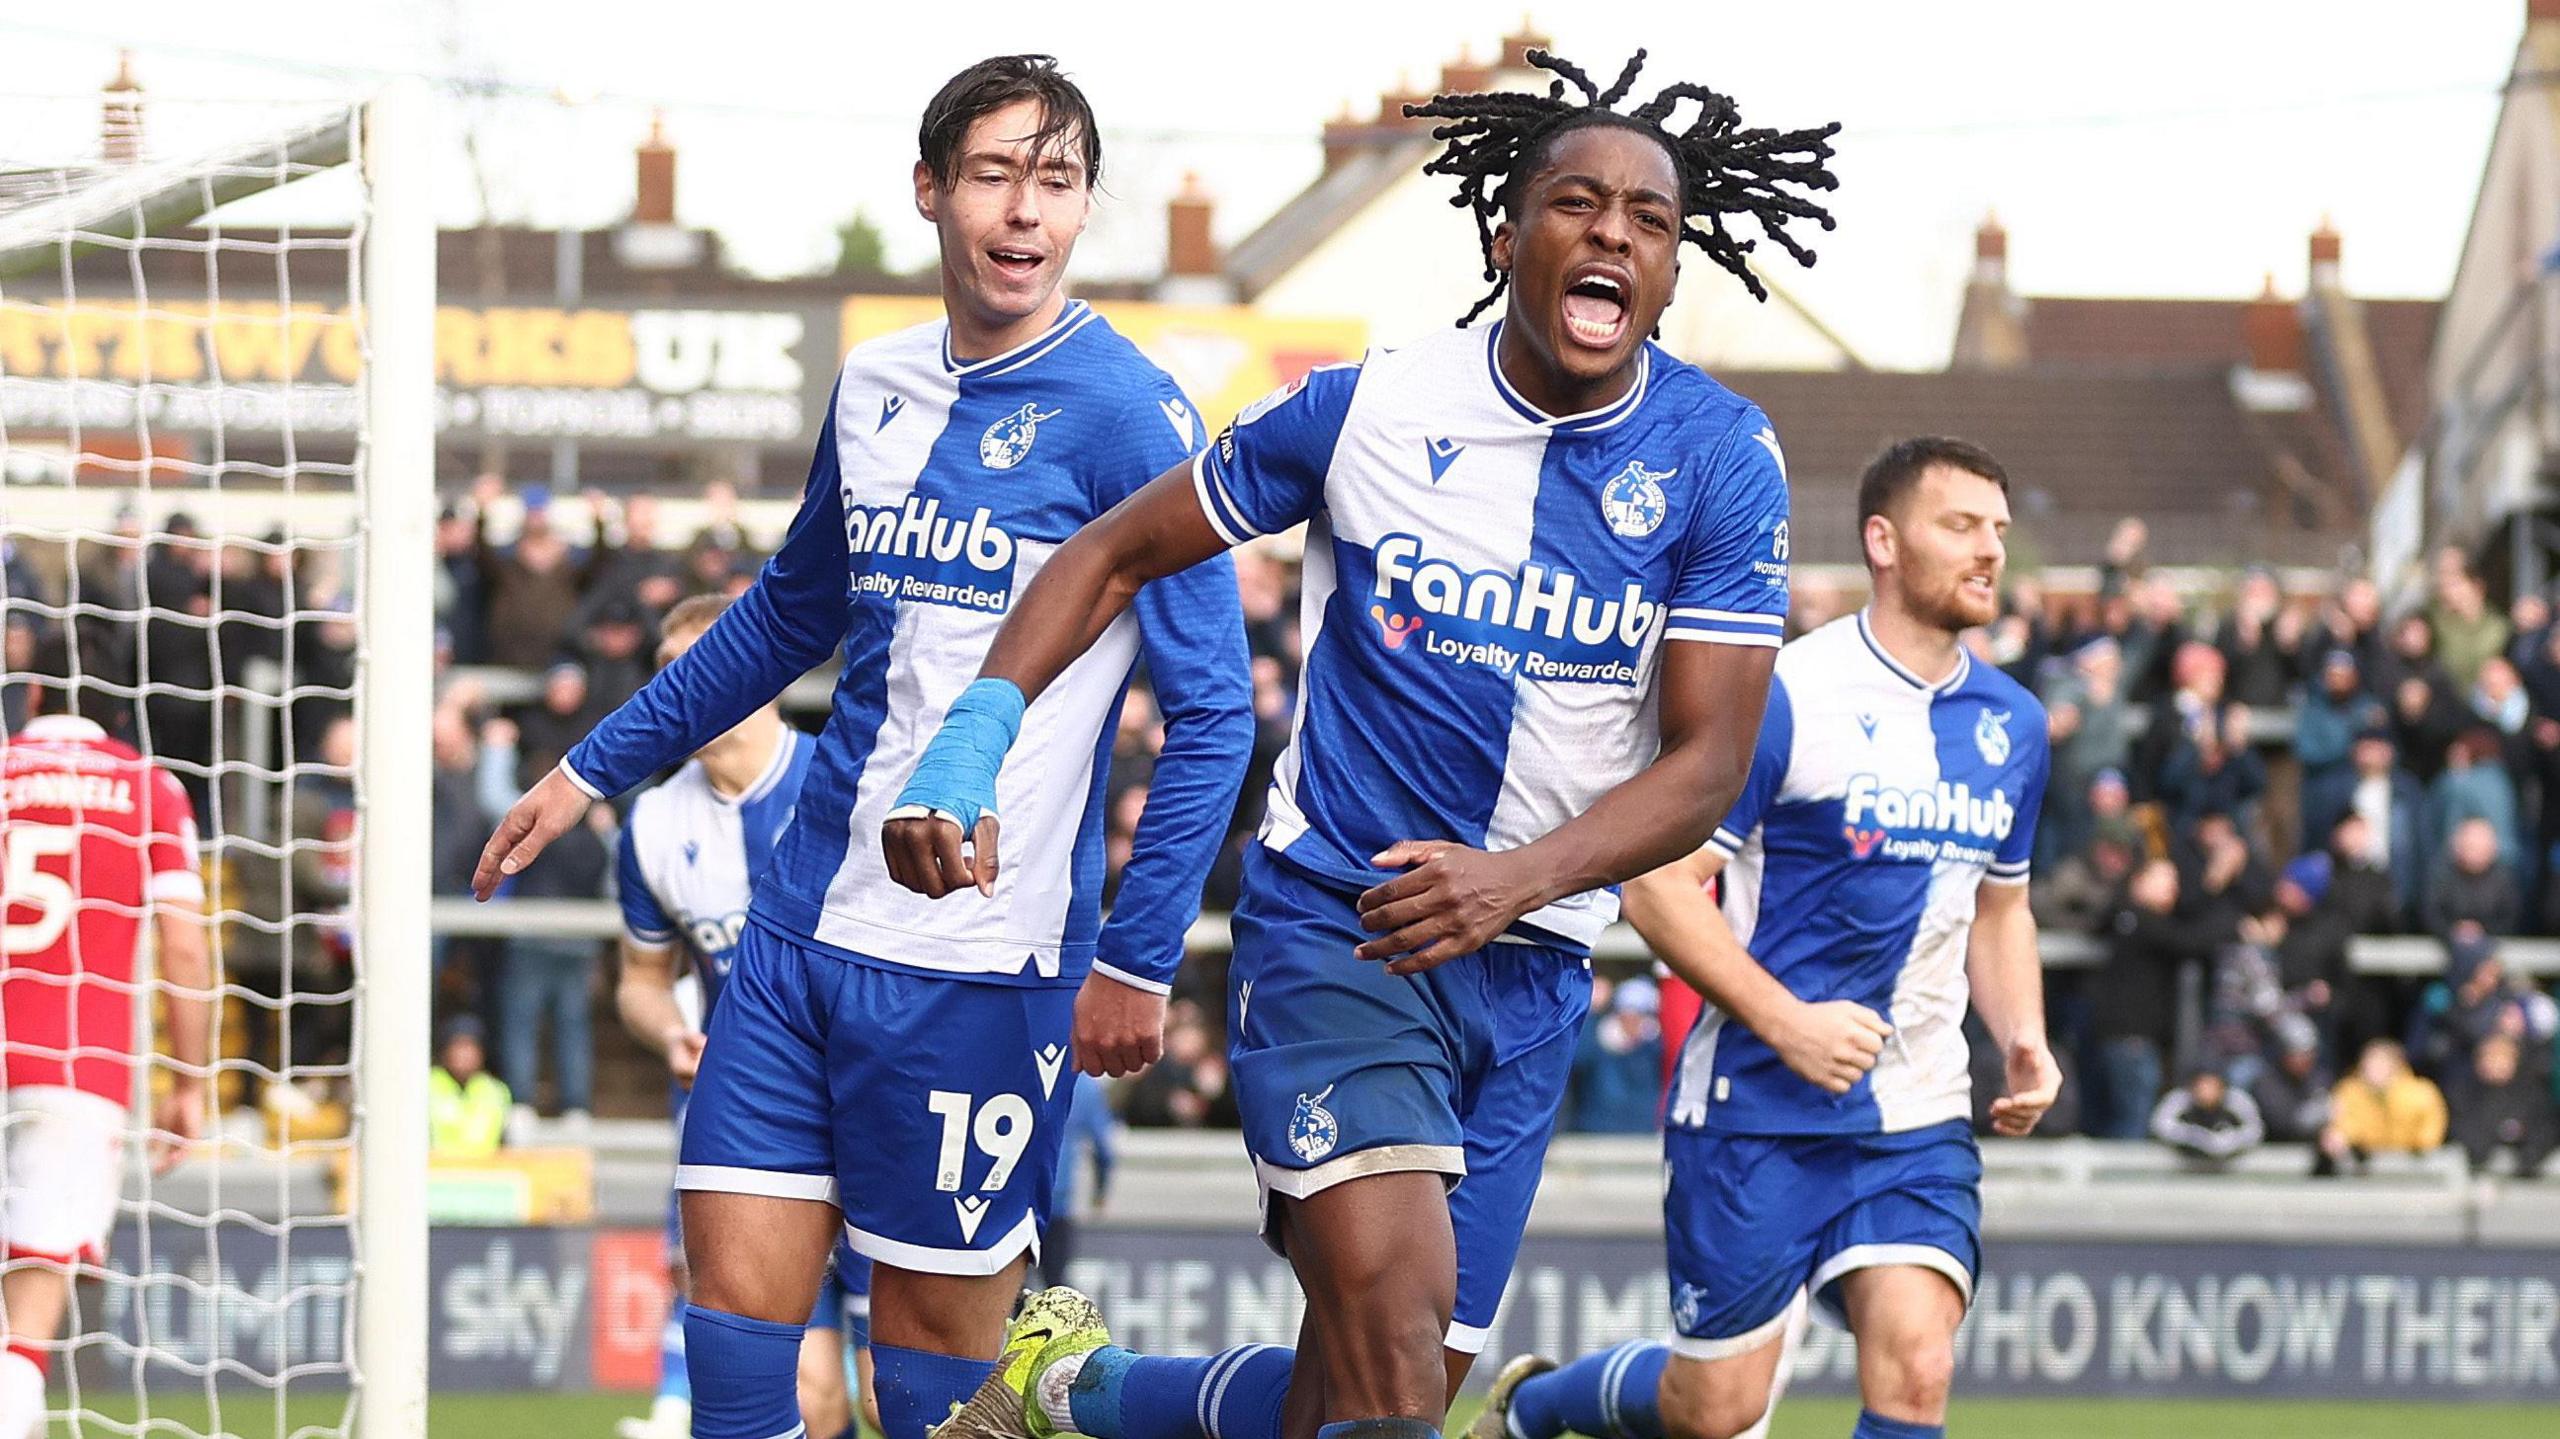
(1872, 1425)
(673, 1382)
(1614, 1394)
(749, 1368)
(916, 1388)
(1235, 1394)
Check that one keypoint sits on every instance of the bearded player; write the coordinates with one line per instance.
(94, 839)
(1875, 880)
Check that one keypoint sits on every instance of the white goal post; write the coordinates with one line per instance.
(124, 297)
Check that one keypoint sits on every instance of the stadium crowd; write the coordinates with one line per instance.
(2243, 782)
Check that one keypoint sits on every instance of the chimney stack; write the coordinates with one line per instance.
(2541, 12)
(1391, 105)
(2325, 246)
(654, 201)
(1991, 252)
(1188, 248)
(120, 115)
(2271, 328)
(1517, 45)
(1341, 137)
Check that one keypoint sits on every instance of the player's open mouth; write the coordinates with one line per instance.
(1014, 262)
(1983, 584)
(1595, 305)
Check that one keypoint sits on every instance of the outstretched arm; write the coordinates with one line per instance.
(1454, 900)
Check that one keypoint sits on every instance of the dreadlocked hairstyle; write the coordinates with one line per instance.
(1494, 138)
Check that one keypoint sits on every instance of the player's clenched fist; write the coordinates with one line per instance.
(1119, 1027)
(1832, 1044)
(543, 815)
(1451, 900)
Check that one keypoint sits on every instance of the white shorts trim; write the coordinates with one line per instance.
(1024, 1238)
(1754, 1338)
(1885, 1256)
(1465, 1338)
(1449, 1159)
(61, 1169)
(772, 1183)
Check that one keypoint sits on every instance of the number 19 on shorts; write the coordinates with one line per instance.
(1001, 1128)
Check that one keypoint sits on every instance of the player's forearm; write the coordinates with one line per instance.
(186, 977)
(748, 657)
(1663, 813)
(2005, 972)
(1688, 932)
(646, 1000)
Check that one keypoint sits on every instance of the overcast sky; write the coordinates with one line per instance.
(2172, 147)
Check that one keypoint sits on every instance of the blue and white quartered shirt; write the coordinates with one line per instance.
(1877, 805)
(1488, 589)
(939, 490)
(690, 857)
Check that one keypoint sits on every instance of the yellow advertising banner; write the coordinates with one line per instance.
(1224, 356)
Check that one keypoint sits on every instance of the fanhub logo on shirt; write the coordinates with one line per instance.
(1944, 821)
(1535, 623)
(918, 553)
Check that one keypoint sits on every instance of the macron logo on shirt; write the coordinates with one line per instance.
(1443, 454)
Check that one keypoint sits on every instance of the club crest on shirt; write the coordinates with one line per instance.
(1633, 503)
(1313, 1131)
(1687, 1302)
(1991, 736)
(1008, 441)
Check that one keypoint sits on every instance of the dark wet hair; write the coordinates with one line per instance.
(1891, 475)
(1066, 118)
(1497, 139)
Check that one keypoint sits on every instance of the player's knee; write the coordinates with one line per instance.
(1703, 1401)
(1911, 1373)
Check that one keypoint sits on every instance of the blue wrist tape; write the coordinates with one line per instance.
(956, 775)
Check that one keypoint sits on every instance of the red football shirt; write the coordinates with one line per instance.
(90, 834)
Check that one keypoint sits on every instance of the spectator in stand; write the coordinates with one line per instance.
(2477, 998)
(550, 981)
(709, 568)
(2188, 713)
(631, 569)
(467, 1107)
(457, 815)
(461, 592)
(2077, 894)
(322, 665)
(178, 721)
(2221, 880)
(612, 649)
(2208, 1121)
(2393, 807)
(533, 586)
(2261, 641)
(2468, 632)
(2381, 1108)
(2292, 1094)
(1617, 1066)
(2216, 772)
(544, 731)
(18, 631)
(2475, 785)
(2473, 889)
(2086, 718)
(314, 1025)
(2529, 625)
(1187, 1089)
(2335, 708)
(2352, 621)
(2134, 1001)
(2408, 652)
(2426, 719)
(2500, 1102)
(2351, 1008)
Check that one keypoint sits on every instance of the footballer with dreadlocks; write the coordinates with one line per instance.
(1545, 576)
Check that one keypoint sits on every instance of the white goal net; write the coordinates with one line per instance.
(216, 433)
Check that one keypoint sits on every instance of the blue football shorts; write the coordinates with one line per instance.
(1344, 1070)
(928, 1109)
(1753, 1218)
